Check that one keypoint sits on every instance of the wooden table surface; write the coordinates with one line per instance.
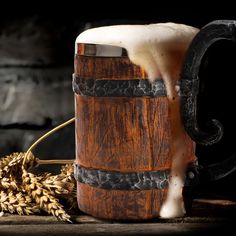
(208, 216)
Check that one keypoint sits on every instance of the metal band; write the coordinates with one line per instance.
(118, 88)
(129, 181)
(127, 88)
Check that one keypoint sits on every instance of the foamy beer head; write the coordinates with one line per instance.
(159, 49)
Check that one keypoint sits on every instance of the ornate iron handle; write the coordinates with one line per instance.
(212, 32)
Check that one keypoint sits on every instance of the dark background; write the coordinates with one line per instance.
(36, 63)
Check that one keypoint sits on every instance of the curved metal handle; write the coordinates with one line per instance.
(212, 32)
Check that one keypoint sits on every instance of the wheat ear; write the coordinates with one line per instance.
(17, 202)
(43, 197)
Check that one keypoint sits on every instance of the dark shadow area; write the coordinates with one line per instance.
(216, 101)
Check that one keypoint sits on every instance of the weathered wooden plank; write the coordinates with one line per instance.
(115, 229)
(8, 219)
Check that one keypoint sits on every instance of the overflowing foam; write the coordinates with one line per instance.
(159, 49)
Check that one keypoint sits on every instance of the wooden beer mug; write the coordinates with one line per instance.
(124, 131)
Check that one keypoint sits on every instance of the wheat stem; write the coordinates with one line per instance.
(51, 162)
(43, 197)
(46, 135)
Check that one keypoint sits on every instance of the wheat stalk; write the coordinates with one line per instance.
(4, 162)
(24, 193)
(8, 183)
(14, 161)
(11, 169)
(58, 184)
(27, 161)
(42, 189)
(46, 135)
(43, 196)
(68, 171)
(17, 202)
(63, 185)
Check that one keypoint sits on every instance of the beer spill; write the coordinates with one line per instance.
(159, 49)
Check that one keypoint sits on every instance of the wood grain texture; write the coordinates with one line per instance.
(118, 229)
(107, 67)
(124, 134)
(120, 205)
(121, 132)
